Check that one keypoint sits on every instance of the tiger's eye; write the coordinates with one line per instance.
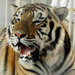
(44, 25)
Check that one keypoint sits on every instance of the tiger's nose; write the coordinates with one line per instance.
(20, 35)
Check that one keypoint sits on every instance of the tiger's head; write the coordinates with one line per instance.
(33, 30)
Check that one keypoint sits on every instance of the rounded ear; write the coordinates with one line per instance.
(61, 12)
(13, 8)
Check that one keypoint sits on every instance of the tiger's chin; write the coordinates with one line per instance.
(28, 54)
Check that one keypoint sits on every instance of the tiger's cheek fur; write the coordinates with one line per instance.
(12, 39)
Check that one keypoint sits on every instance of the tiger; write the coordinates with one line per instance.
(37, 42)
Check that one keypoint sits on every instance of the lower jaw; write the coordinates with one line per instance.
(33, 58)
(26, 64)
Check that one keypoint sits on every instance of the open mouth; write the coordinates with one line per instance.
(24, 50)
(30, 52)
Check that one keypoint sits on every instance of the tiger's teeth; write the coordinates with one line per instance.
(29, 54)
(23, 56)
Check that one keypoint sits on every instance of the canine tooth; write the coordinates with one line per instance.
(29, 54)
(24, 56)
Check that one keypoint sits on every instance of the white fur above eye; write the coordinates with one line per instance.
(37, 15)
(18, 14)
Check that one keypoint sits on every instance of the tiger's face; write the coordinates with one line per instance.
(31, 31)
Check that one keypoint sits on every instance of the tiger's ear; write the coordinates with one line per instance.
(61, 12)
(13, 8)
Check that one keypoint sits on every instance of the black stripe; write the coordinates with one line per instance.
(67, 45)
(6, 58)
(40, 8)
(32, 12)
(44, 25)
(16, 16)
(67, 49)
(35, 55)
(18, 19)
(9, 33)
(53, 44)
(37, 21)
(57, 34)
(38, 35)
(27, 9)
(31, 71)
(48, 10)
(14, 45)
(40, 30)
(43, 52)
(1, 41)
(45, 67)
(51, 28)
(37, 46)
(68, 68)
(3, 31)
(38, 67)
(49, 17)
(40, 16)
(43, 7)
(70, 71)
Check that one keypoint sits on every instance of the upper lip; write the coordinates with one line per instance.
(30, 45)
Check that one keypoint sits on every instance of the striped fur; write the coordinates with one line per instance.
(39, 28)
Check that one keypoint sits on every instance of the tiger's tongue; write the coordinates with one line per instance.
(24, 50)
